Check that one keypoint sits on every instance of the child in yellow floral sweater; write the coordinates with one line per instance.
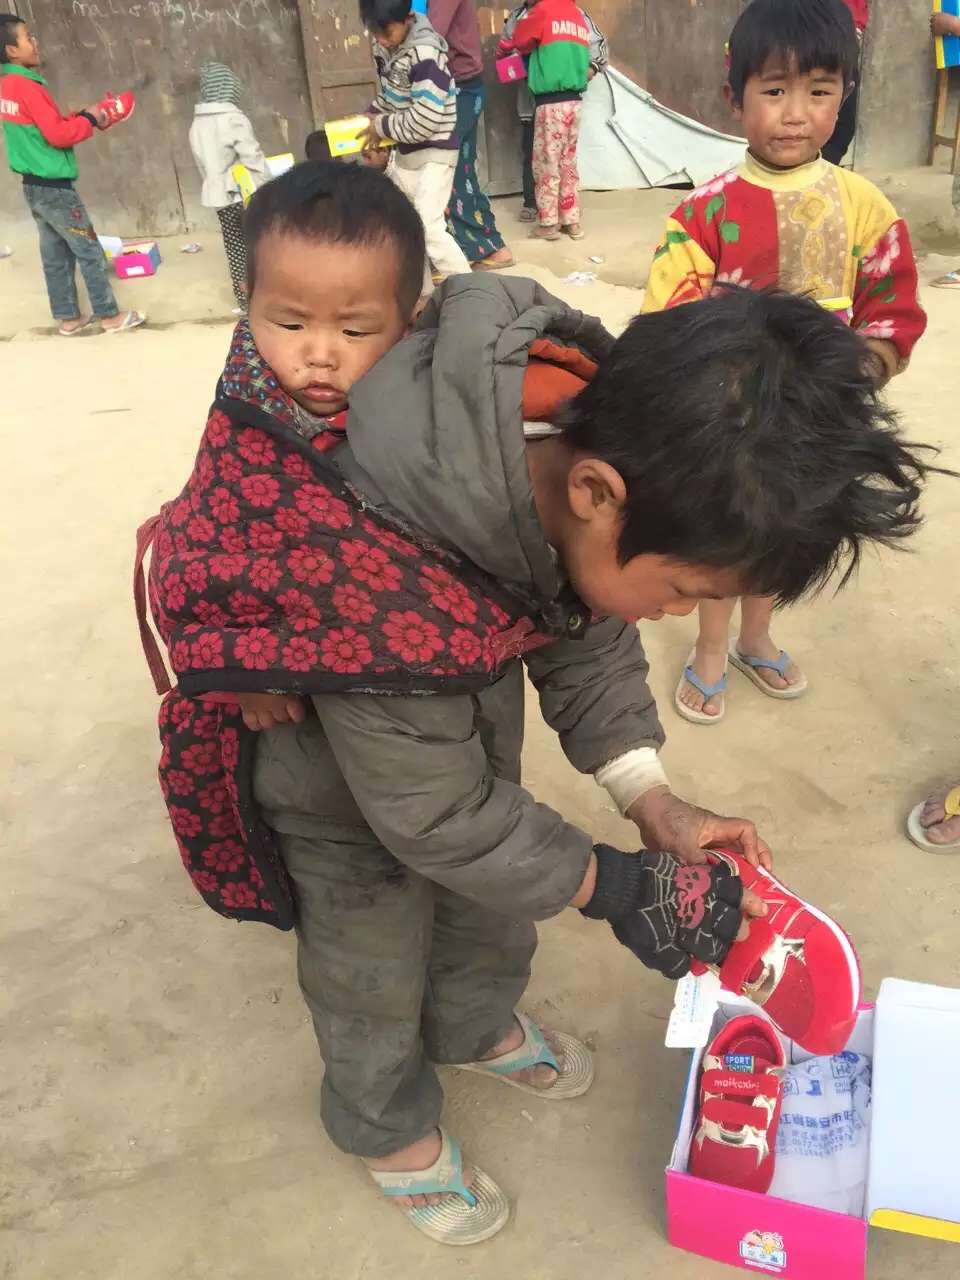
(786, 218)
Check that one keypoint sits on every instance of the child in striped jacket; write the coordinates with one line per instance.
(416, 108)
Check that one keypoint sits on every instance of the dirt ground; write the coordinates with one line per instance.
(159, 1084)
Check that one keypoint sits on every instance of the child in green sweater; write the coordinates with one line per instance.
(40, 142)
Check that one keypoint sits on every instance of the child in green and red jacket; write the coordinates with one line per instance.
(556, 35)
(40, 142)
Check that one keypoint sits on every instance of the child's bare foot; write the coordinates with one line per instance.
(709, 664)
(938, 819)
(414, 1159)
(761, 646)
(68, 327)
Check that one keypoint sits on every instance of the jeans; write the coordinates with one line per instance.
(66, 237)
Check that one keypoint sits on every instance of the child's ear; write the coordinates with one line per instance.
(736, 108)
(848, 90)
(595, 491)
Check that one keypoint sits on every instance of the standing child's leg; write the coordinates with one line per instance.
(68, 215)
(755, 654)
(707, 665)
(528, 212)
(569, 173)
(231, 228)
(547, 151)
(428, 188)
(59, 269)
(478, 971)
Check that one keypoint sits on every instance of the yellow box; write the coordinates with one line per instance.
(244, 178)
(344, 135)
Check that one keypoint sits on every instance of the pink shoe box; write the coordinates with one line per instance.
(511, 68)
(137, 260)
(913, 1185)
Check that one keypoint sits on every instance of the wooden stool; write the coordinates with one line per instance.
(939, 138)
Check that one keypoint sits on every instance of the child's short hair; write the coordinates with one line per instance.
(750, 435)
(816, 33)
(8, 32)
(317, 146)
(333, 203)
(377, 15)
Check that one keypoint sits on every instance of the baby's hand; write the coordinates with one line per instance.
(266, 710)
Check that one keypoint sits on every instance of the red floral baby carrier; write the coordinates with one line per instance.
(269, 573)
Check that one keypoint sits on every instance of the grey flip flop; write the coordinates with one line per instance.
(574, 1068)
(465, 1215)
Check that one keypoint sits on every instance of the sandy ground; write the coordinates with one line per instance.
(159, 1083)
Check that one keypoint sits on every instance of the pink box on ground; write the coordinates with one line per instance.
(511, 68)
(912, 1036)
(137, 260)
(759, 1232)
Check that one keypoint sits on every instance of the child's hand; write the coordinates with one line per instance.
(368, 138)
(378, 159)
(666, 822)
(945, 24)
(266, 710)
(98, 114)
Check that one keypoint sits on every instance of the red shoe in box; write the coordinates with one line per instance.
(796, 963)
(740, 1095)
(116, 107)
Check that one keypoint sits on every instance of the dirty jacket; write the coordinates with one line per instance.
(220, 137)
(436, 426)
(417, 104)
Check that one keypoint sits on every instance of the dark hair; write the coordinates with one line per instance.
(751, 436)
(8, 32)
(377, 15)
(816, 33)
(333, 203)
(317, 146)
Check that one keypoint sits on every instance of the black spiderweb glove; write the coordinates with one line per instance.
(664, 911)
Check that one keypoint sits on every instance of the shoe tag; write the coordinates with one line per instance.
(694, 1007)
(739, 1062)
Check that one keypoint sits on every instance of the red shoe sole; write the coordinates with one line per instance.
(809, 981)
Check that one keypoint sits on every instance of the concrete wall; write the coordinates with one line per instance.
(896, 98)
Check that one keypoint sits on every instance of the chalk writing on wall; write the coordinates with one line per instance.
(236, 15)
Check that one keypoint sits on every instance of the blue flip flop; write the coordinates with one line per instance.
(749, 666)
(708, 690)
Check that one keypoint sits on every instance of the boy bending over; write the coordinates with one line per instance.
(466, 526)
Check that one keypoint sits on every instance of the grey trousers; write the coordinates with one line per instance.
(398, 972)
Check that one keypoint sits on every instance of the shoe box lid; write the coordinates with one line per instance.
(912, 1182)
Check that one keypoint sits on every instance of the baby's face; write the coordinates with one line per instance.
(323, 314)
